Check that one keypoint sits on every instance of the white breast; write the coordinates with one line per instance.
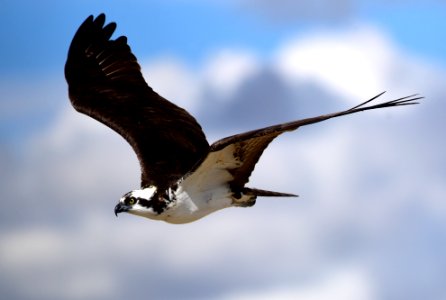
(206, 190)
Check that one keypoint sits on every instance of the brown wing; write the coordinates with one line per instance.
(249, 146)
(105, 82)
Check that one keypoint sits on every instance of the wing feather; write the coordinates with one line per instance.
(105, 83)
(249, 146)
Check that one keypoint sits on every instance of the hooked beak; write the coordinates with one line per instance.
(119, 208)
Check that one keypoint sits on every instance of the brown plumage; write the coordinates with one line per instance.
(105, 82)
(250, 145)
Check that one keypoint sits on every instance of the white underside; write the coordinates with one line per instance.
(191, 206)
(204, 191)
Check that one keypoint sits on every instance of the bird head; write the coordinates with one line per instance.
(139, 202)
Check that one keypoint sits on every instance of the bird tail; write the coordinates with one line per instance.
(264, 193)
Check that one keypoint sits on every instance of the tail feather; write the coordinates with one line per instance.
(264, 193)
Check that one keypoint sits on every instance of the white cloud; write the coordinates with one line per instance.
(228, 69)
(223, 72)
(346, 283)
(54, 264)
(78, 149)
(174, 80)
(356, 64)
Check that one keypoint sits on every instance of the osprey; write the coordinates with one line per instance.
(183, 178)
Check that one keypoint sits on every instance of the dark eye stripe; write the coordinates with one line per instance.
(144, 202)
(157, 206)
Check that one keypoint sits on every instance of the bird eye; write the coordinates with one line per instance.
(131, 201)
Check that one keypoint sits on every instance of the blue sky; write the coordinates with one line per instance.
(370, 219)
(40, 24)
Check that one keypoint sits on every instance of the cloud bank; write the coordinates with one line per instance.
(367, 224)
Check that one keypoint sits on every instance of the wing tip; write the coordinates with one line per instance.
(406, 100)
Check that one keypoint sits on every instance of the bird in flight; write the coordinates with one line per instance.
(183, 178)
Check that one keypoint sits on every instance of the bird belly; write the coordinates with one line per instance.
(204, 191)
(193, 205)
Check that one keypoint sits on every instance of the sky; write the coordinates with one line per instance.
(370, 219)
